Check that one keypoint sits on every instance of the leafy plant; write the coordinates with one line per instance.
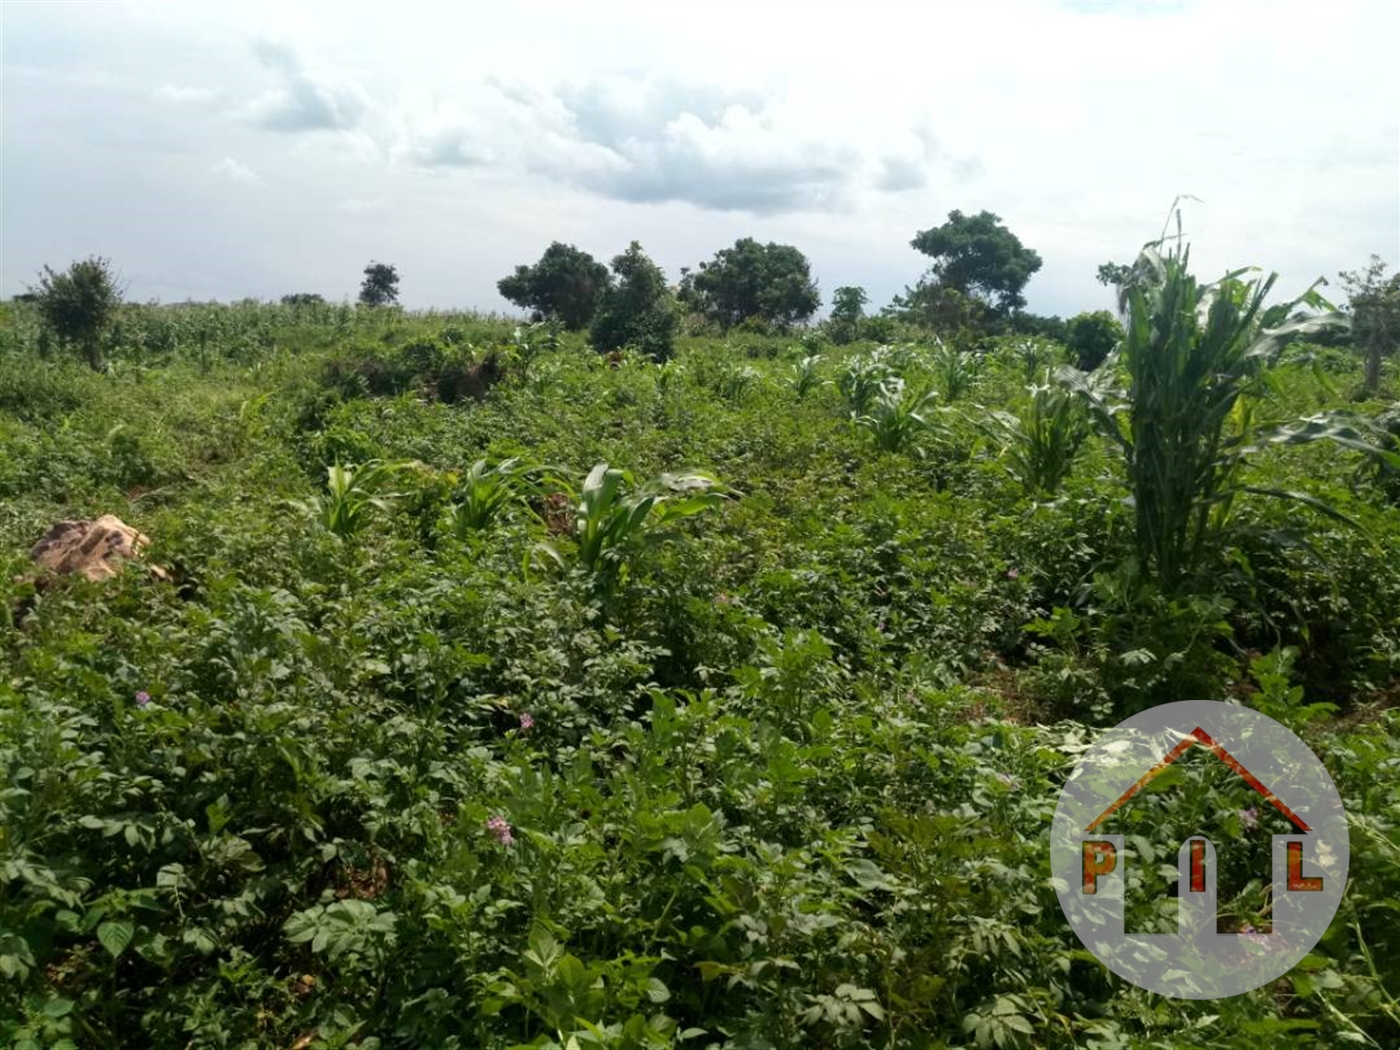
(1042, 441)
(805, 376)
(485, 491)
(352, 493)
(956, 371)
(1195, 356)
(861, 378)
(615, 515)
(897, 416)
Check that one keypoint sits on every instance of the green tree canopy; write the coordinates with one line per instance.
(79, 305)
(1375, 315)
(772, 282)
(1091, 337)
(564, 286)
(847, 312)
(975, 255)
(381, 285)
(637, 308)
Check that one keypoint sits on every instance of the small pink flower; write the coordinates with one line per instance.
(143, 698)
(723, 599)
(1012, 574)
(527, 720)
(498, 827)
(1249, 818)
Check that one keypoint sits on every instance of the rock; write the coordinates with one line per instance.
(94, 549)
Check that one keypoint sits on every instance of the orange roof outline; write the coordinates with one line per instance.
(1201, 737)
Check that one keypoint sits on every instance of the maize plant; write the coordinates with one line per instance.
(486, 491)
(1042, 441)
(956, 371)
(1193, 355)
(352, 492)
(804, 378)
(897, 416)
(615, 516)
(861, 379)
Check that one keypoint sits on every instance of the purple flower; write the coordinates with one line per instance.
(1249, 818)
(527, 720)
(143, 698)
(498, 827)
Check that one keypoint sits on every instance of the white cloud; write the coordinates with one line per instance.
(305, 100)
(235, 171)
(185, 96)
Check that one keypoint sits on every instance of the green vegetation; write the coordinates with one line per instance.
(740, 724)
(637, 309)
(769, 285)
(380, 286)
(564, 286)
(79, 305)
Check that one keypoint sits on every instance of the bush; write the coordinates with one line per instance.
(1091, 337)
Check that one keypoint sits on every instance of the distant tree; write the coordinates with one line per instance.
(976, 256)
(1047, 327)
(564, 286)
(381, 285)
(1116, 276)
(847, 312)
(637, 309)
(303, 299)
(772, 282)
(78, 306)
(1375, 315)
(1091, 337)
(947, 310)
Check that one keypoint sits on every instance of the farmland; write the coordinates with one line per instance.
(502, 692)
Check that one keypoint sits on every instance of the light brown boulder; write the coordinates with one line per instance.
(94, 549)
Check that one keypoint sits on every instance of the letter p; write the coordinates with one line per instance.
(1100, 858)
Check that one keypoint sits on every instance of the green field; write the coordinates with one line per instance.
(753, 745)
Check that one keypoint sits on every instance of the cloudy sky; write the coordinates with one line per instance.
(224, 150)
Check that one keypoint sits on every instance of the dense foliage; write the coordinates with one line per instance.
(975, 255)
(509, 694)
(770, 284)
(79, 305)
(564, 286)
(637, 309)
(380, 286)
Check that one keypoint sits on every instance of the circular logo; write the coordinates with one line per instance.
(1143, 821)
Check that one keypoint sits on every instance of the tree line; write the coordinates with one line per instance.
(974, 286)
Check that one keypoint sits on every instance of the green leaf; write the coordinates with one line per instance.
(115, 935)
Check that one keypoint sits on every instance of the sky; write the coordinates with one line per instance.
(227, 150)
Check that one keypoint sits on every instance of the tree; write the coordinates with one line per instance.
(847, 312)
(1092, 337)
(1375, 315)
(1116, 276)
(303, 299)
(565, 286)
(931, 305)
(977, 256)
(637, 309)
(381, 285)
(772, 282)
(79, 306)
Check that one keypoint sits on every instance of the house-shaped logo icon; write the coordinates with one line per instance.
(1308, 860)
